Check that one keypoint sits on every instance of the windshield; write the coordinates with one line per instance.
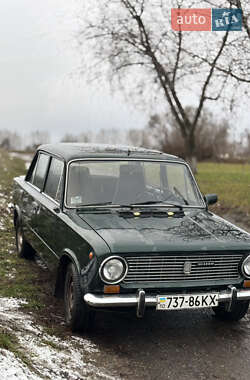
(131, 182)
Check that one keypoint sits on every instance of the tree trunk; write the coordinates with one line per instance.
(191, 152)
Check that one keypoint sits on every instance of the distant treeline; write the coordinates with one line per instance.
(213, 138)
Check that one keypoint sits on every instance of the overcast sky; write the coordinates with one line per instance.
(39, 86)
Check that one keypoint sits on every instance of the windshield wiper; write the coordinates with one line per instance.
(103, 204)
(180, 195)
(130, 206)
(161, 204)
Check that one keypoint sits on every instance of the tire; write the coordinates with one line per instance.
(238, 312)
(78, 316)
(24, 250)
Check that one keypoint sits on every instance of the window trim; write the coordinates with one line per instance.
(131, 159)
(51, 199)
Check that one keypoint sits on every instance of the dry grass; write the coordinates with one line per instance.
(230, 181)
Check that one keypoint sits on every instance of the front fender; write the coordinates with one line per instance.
(86, 274)
(72, 257)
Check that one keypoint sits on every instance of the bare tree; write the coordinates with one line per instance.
(10, 140)
(133, 44)
(212, 136)
(139, 137)
(39, 137)
(69, 138)
(5, 144)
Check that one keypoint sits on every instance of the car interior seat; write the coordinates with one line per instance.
(131, 182)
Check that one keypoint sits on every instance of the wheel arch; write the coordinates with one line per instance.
(67, 257)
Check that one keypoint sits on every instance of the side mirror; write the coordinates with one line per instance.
(211, 199)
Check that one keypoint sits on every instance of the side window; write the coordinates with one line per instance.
(32, 169)
(54, 181)
(41, 169)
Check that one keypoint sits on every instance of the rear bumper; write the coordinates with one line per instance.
(141, 300)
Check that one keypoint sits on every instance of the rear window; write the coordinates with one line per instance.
(54, 182)
(41, 170)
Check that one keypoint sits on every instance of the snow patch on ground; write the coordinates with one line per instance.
(8, 304)
(12, 368)
(1, 226)
(50, 357)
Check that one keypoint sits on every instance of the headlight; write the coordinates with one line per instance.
(113, 270)
(246, 267)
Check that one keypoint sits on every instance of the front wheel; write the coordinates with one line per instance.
(78, 316)
(238, 312)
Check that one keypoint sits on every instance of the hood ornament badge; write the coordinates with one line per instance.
(187, 268)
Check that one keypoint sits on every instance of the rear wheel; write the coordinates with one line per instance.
(23, 248)
(78, 316)
(238, 311)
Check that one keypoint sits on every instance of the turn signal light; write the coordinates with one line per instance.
(91, 255)
(111, 289)
(246, 284)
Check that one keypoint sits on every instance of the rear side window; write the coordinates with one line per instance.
(41, 170)
(54, 182)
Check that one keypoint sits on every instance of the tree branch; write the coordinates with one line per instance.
(207, 82)
(177, 58)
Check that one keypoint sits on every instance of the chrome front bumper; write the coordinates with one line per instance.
(141, 300)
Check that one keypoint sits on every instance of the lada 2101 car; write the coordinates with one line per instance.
(123, 227)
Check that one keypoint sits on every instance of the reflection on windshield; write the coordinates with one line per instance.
(131, 182)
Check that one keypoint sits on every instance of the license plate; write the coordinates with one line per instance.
(190, 301)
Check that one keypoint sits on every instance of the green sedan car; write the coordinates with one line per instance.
(122, 227)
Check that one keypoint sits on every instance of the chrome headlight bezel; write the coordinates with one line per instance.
(246, 273)
(121, 277)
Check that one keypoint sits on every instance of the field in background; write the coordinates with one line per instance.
(231, 182)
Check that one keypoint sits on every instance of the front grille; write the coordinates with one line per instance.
(187, 268)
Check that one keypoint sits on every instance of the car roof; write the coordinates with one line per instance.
(74, 151)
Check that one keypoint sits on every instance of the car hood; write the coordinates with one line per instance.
(197, 230)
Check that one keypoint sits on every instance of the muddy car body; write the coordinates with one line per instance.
(120, 227)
